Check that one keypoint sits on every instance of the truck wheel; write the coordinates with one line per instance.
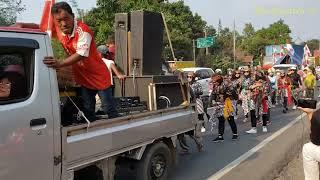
(155, 163)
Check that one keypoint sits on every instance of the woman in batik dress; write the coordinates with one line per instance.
(195, 93)
(222, 108)
(235, 90)
(284, 91)
(248, 105)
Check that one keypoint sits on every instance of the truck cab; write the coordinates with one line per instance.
(29, 116)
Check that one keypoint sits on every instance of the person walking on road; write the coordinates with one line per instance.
(260, 92)
(273, 84)
(309, 83)
(248, 105)
(284, 90)
(296, 85)
(195, 92)
(235, 86)
(222, 108)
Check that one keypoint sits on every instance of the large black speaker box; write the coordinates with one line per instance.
(121, 41)
(146, 43)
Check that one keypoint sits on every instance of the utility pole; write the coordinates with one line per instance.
(205, 35)
(194, 51)
(234, 44)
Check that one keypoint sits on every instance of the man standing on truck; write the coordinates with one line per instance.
(88, 68)
(112, 48)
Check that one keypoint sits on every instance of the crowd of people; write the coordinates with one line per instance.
(255, 91)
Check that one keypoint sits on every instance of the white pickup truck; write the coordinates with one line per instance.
(35, 146)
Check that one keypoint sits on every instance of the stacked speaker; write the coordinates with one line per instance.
(139, 42)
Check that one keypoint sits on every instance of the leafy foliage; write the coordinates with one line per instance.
(184, 27)
(9, 10)
(313, 44)
(58, 50)
(182, 24)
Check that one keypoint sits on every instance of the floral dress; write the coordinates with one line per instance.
(233, 88)
(246, 95)
(284, 89)
(216, 100)
(266, 97)
(195, 92)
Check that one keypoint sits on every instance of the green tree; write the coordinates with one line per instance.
(183, 27)
(58, 50)
(182, 24)
(254, 42)
(313, 44)
(9, 10)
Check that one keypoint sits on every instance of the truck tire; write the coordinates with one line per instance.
(155, 163)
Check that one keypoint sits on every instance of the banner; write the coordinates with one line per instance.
(278, 52)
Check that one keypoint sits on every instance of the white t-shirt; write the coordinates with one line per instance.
(108, 63)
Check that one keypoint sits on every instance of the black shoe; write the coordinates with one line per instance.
(99, 112)
(284, 111)
(234, 137)
(218, 139)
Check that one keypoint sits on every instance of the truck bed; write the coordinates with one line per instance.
(105, 138)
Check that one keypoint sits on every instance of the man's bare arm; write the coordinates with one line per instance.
(54, 63)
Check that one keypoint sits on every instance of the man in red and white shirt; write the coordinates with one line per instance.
(88, 68)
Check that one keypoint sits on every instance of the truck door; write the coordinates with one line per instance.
(26, 122)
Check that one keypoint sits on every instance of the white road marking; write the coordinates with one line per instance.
(245, 156)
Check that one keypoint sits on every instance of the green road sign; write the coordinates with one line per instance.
(205, 42)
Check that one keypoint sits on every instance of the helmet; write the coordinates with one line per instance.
(218, 71)
(292, 68)
(103, 49)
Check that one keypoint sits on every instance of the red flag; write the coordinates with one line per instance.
(46, 24)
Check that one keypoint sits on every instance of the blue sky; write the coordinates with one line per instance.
(301, 15)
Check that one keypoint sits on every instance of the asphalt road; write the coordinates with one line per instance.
(201, 165)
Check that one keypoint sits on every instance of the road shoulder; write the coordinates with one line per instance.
(267, 162)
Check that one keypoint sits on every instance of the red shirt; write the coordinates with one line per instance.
(91, 72)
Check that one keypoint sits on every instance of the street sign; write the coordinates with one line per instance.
(205, 42)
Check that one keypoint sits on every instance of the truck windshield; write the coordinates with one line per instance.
(14, 75)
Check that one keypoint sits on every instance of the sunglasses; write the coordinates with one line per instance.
(189, 76)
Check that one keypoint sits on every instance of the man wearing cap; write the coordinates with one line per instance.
(218, 71)
(296, 85)
(112, 68)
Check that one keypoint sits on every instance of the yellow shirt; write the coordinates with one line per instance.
(310, 81)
